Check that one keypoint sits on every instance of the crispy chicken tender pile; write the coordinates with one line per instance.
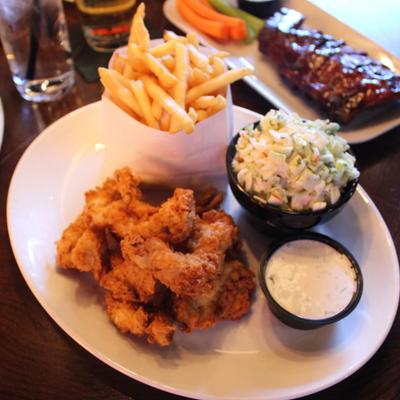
(163, 268)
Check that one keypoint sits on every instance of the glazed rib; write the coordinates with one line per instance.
(341, 80)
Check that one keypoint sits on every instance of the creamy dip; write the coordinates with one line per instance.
(310, 279)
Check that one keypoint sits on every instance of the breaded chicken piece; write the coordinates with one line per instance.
(69, 239)
(174, 220)
(127, 282)
(90, 253)
(128, 317)
(133, 318)
(82, 248)
(127, 185)
(230, 299)
(161, 330)
(192, 273)
(209, 199)
(117, 203)
(214, 232)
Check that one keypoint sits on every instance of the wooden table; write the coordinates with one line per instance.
(39, 361)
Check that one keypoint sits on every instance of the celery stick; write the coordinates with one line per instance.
(251, 34)
(225, 8)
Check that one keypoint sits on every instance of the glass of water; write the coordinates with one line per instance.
(35, 40)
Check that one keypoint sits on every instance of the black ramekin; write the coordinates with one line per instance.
(293, 320)
(272, 218)
(260, 8)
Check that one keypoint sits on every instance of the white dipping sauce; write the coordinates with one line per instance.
(310, 279)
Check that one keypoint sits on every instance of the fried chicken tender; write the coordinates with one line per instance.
(69, 239)
(133, 318)
(192, 273)
(161, 267)
(230, 299)
(161, 330)
(174, 221)
(120, 207)
(82, 248)
(128, 317)
(209, 199)
(127, 282)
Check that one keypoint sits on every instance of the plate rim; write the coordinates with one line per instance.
(143, 379)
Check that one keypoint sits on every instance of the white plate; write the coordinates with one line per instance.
(269, 84)
(255, 358)
(1, 123)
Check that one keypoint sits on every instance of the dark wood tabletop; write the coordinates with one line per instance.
(38, 360)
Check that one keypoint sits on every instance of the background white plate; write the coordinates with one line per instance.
(254, 358)
(269, 84)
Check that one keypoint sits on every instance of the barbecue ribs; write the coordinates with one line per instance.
(342, 80)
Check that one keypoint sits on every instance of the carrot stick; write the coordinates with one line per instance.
(207, 4)
(215, 29)
(209, 13)
(237, 27)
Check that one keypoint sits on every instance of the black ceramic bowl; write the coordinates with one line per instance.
(260, 8)
(293, 320)
(272, 218)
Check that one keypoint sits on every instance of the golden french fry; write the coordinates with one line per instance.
(164, 120)
(141, 32)
(121, 88)
(181, 72)
(198, 59)
(218, 104)
(144, 103)
(118, 77)
(216, 83)
(204, 102)
(106, 77)
(192, 114)
(218, 67)
(166, 48)
(169, 35)
(155, 66)
(119, 94)
(118, 63)
(136, 63)
(156, 110)
(193, 39)
(201, 115)
(219, 54)
(168, 103)
(127, 97)
(168, 62)
(129, 73)
(132, 35)
(197, 77)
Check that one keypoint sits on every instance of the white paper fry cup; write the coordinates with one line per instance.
(160, 158)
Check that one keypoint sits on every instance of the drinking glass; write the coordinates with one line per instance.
(36, 44)
(106, 23)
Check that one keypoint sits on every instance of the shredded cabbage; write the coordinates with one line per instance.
(293, 163)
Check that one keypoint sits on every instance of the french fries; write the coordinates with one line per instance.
(170, 86)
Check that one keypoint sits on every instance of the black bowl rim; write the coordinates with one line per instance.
(338, 247)
(348, 192)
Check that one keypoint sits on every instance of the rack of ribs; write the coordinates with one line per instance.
(341, 80)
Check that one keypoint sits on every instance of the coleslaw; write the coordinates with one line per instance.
(293, 163)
